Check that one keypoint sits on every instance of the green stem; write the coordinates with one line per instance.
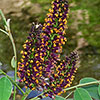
(8, 32)
(4, 32)
(26, 94)
(68, 95)
(12, 81)
(3, 18)
(81, 85)
(15, 54)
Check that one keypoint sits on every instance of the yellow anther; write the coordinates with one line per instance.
(63, 5)
(43, 28)
(37, 74)
(52, 6)
(54, 45)
(46, 95)
(57, 5)
(22, 60)
(33, 78)
(24, 78)
(60, 14)
(52, 84)
(26, 41)
(26, 64)
(56, 15)
(37, 61)
(40, 68)
(60, 19)
(31, 61)
(33, 88)
(37, 81)
(54, 89)
(22, 52)
(24, 45)
(42, 59)
(59, 9)
(26, 87)
(28, 74)
(33, 49)
(68, 80)
(36, 54)
(23, 56)
(25, 53)
(51, 31)
(59, 94)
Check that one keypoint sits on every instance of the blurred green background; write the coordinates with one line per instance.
(83, 31)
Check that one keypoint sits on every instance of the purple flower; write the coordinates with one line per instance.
(40, 64)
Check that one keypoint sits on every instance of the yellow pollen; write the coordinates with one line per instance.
(63, 5)
(33, 49)
(36, 55)
(31, 61)
(40, 67)
(28, 74)
(24, 45)
(26, 87)
(22, 52)
(57, 5)
(56, 15)
(59, 9)
(68, 80)
(33, 88)
(60, 14)
(37, 61)
(43, 28)
(22, 60)
(37, 74)
(46, 95)
(25, 53)
(54, 45)
(54, 89)
(37, 81)
(23, 56)
(24, 78)
(26, 41)
(33, 78)
(59, 94)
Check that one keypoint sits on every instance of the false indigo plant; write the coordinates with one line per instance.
(41, 66)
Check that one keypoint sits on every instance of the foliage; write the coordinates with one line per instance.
(5, 88)
(88, 19)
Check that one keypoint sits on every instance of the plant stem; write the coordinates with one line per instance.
(8, 32)
(81, 85)
(26, 94)
(68, 95)
(12, 81)
(4, 32)
(15, 55)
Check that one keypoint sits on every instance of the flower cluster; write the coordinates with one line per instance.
(41, 66)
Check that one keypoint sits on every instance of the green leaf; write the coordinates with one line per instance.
(5, 88)
(92, 89)
(13, 62)
(81, 94)
(99, 90)
(70, 99)
(3, 18)
(87, 80)
(59, 98)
